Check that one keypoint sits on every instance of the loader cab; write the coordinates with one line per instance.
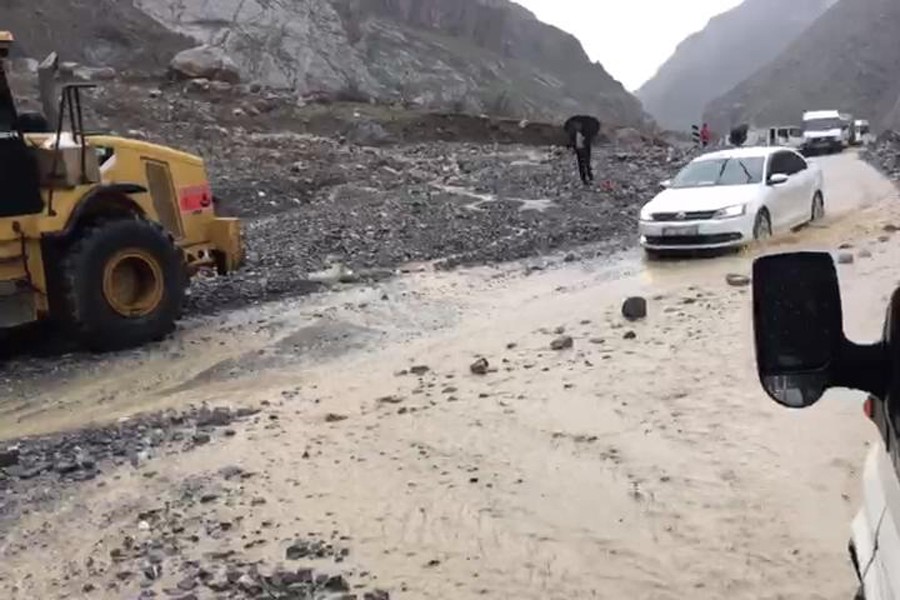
(20, 191)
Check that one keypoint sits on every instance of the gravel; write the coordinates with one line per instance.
(31, 466)
(885, 154)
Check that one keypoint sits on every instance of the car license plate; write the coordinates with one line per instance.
(683, 230)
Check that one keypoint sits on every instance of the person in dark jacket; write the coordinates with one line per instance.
(582, 130)
(738, 135)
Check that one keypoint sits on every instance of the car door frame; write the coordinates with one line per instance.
(781, 195)
(803, 182)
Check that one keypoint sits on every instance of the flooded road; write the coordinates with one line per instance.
(644, 461)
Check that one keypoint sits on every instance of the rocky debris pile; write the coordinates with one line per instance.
(885, 154)
(33, 463)
(160, 558)
(181, 546)
(381, 208)
(310, 197)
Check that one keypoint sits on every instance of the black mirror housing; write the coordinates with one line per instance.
(801, 350)
(798, 323)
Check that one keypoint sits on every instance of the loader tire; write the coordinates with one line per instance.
(123, 285)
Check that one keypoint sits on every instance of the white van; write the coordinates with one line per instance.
(825, 131)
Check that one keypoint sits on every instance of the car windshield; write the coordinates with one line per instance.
(823, 124)
(720, 171)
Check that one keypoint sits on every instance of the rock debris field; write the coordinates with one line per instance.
(366, 188)
(160, 554)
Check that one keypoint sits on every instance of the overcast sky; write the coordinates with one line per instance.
(630, 38)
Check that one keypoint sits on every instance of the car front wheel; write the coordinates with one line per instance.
(818, 208)
(762, 227)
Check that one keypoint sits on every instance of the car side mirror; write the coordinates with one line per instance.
(665, 184)
(778, 179)
(801, 350)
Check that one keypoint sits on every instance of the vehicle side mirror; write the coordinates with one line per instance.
(778, 179)
(801, 350)
(665, 183)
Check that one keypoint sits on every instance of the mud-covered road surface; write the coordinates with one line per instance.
(592, 458)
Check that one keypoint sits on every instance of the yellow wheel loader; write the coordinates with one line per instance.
(98, 233)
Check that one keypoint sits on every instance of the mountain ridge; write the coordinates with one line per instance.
(846, 60)
(730, 48)
(476, 56)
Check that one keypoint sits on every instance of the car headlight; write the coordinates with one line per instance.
(737, 210)
(646, 214)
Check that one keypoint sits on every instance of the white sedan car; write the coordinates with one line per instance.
(731, 198)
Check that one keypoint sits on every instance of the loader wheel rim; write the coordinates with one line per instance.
(133, 283)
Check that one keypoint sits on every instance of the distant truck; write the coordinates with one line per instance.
(826, 131)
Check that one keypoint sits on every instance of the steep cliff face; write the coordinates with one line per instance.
(846, 60)
(731, 48)
(96, 32)
(474, 55)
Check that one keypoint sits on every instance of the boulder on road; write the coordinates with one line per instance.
(563, 342)
(735, 280)
(207, 62)
(635, 308)
(479, 367)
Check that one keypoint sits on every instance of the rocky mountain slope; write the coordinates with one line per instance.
(94, 32)
(468, 55)
(732, 47)
(847, 59)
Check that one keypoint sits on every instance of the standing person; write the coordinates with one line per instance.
(738, 135)
(582, 130)
(705, 135)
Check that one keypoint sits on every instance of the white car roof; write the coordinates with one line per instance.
(749, 152)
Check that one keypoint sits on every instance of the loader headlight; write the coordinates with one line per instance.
(738, 210)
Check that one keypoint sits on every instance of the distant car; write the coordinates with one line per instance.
(731, 198)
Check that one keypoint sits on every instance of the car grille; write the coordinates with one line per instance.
(698, 215)
(692, 240)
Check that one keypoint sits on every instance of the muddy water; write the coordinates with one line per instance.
(650, 467)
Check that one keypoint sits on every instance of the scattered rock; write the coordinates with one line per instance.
(208, 62)
(629, 335)
(479, 367)
(335, 418)
(845, 258)
(635, 308)
(865, 253)
(390, 400)
(563, 342)
(735, 280)
(419, 370)
(9, 457)
(368, 133)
